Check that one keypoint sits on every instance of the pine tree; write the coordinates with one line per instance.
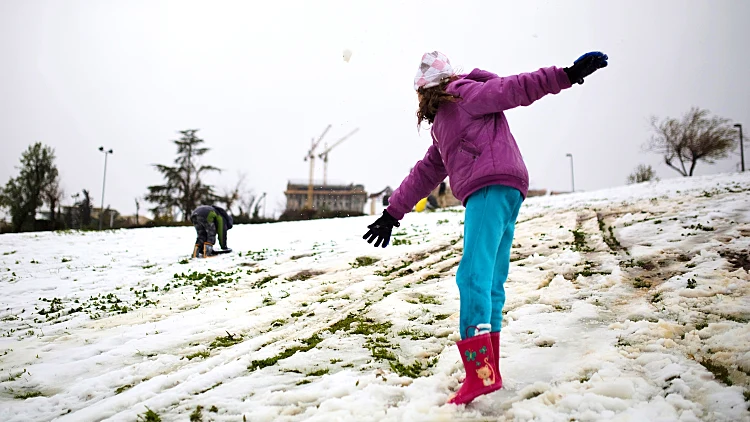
(184, 188)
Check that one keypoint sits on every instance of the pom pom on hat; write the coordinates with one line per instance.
(435, 67)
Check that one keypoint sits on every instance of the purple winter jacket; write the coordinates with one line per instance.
(472, 143)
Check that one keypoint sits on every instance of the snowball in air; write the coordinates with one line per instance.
(347, 55)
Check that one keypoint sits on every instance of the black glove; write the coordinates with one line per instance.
(586, 65)
(381, 229)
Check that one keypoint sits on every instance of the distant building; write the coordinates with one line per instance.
(327, 198)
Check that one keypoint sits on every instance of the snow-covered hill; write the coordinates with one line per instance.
(624, 304)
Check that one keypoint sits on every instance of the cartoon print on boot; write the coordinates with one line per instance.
(486, 373)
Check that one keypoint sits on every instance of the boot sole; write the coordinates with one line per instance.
(466, 399)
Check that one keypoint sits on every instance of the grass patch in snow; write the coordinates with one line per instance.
(123, 388)
(424, 299)
(579, 241)
(608, 234)
(355, 324)
(318, 373)
(720, 372)
(304, 275)
(431, 277)
(363, 261)
(309, 343)
(258, 284)
(640, 283)
(27, 395)
(388, 271)
(202, 354)
(201, 281)
(149, 416)
(414, 334)
(197, 415)
(225, 341)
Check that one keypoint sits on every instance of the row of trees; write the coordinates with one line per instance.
(184, 186)
(682, 143)
(38, 185)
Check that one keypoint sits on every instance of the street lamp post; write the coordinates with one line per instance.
(104, 183)
(572, 178)
(742, 149)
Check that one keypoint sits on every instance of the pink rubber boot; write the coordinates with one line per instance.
(480, 364)
(495, 339)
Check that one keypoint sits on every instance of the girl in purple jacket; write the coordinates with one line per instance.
(473, 147)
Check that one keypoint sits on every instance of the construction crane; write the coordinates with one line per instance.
(311, 155)
(324, 154)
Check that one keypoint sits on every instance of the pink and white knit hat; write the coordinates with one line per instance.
(434, 68)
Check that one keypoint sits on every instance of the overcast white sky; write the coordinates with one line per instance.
(261, 78)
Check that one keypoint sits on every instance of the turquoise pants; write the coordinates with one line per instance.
(489, 225)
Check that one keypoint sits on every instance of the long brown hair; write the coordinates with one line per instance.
(431, 98)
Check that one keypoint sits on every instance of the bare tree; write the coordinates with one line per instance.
(234, 195)
(642, 173)
(53, 195)
(137, 211)
(697, 137)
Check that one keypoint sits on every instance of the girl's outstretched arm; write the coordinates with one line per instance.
(423, 178)
(504, 93)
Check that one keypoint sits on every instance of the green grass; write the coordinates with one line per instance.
(431, 277)
(319, 372)
(440, 317)
(641, 284)
(414, 370)
(425, 300)
(414, 334)
(28, 395)
(149, 416)
(720, 372)
(197, 415)
(123, 388)
(225, 341)
(202, 281)
(579, 241)
(388, 271)
(363, 261)
(258, 284)
(204, 354)
(308, 344)
(398, 241)
(364, 326)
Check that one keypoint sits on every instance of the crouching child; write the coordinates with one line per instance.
(210, 221)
